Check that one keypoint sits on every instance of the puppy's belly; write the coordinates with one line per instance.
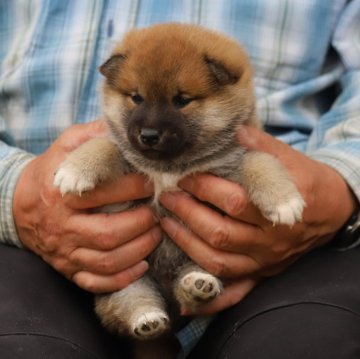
(166, 261)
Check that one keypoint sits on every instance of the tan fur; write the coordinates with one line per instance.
(174, 97)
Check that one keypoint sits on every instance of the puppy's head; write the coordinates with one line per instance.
(175, 94)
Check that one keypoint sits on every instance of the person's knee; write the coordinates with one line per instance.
(304, 331)
(34, 346)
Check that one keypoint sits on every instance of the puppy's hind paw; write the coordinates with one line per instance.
(198, 287)
(287, 212)
(151, 324)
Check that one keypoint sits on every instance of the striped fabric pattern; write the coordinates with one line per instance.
(50, 51)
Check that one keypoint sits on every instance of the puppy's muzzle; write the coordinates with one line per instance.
(157, 143)
(149, 136)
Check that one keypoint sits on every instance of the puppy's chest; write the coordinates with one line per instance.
(164, 182)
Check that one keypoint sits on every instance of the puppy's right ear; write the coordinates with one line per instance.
(110, 67)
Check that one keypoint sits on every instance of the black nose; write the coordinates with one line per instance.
(149, 136)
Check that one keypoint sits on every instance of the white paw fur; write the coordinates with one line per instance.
(151, 324)
(70, 179)
(198, 287)
(287, 212)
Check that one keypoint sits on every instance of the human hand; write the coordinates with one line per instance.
(99, 252)
(240, 245)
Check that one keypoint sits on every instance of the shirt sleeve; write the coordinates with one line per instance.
(12, 162)
(335, 140)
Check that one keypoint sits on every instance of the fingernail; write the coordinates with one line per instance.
(168, 200)
(187, 184)
(235, 204)
(140, 268)
(170, 226)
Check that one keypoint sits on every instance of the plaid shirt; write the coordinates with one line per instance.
(50, 51)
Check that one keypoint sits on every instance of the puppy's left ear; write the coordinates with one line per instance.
(221, 74)
(110, 67)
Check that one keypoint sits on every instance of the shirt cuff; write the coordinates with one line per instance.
(343, 160)
(11, 167)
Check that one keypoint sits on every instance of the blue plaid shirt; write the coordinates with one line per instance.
(50, 51)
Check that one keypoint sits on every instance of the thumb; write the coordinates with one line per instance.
(76, 135)
(255, 139)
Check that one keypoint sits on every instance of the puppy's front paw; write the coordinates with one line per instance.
(95, 161)
(287, 212)
(151, 324)
(71, 178)
(198, 287)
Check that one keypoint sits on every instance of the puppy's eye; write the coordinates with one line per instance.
(137, 99)
(181, 101)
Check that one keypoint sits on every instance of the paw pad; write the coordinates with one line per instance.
(200, 287)
(151, 325)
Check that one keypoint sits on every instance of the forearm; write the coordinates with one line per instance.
(12, 163)
(335, 141)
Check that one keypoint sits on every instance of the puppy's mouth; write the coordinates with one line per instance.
(155, 144)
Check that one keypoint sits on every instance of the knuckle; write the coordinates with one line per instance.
(235, 204)
(219, 237)
(106, 240)
(50, 245)
(106, 264)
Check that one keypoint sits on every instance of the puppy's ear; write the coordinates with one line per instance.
(221, 74)
(110, 67)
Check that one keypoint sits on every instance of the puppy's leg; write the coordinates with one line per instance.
(137, 310)
(194, 286)
(96, 161)
(271, 189)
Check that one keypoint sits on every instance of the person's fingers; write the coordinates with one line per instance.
(118, 259)
(136, 187)
(232, 295)
(80, 133)
(96, 283)
(220, 232)
(228, 196)
(254, 139)
(218, 262)
(107, 231)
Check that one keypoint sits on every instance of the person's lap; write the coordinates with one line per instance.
(43, 315)
(310, 311)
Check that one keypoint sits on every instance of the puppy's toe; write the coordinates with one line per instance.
(287, 212)
(198, 287)
(151, 324)
(70, 179)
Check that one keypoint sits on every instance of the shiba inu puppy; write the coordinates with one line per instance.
(174, 97)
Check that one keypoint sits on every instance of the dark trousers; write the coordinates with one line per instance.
(311, 311)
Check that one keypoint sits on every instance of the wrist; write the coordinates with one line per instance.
(348, 236)
(12, 169)
(345, 211)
